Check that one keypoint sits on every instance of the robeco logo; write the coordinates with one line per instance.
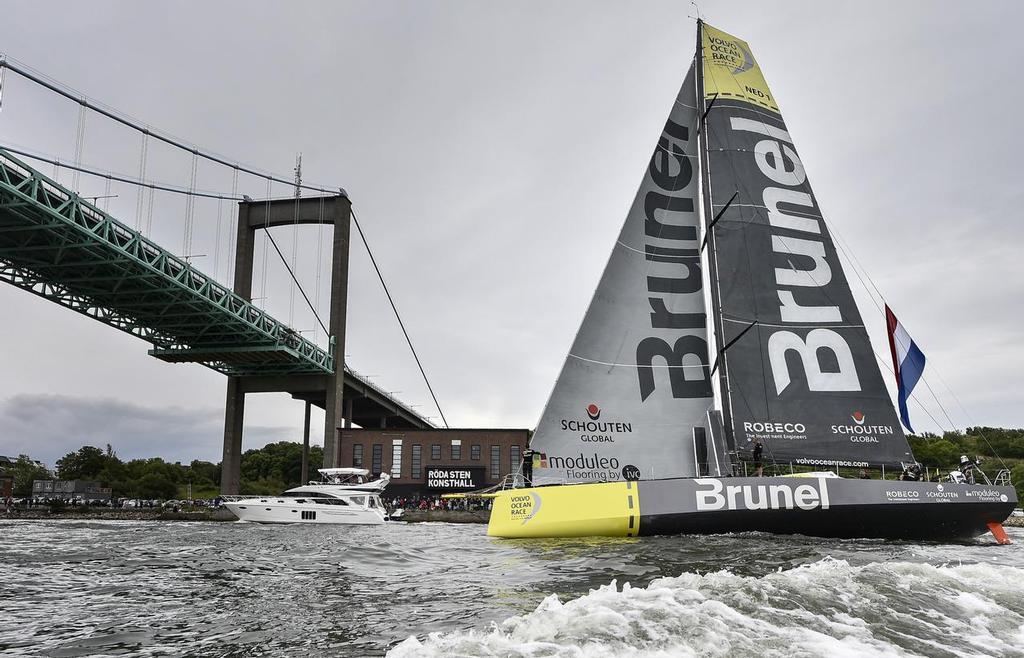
(593, 411)
(858, 417)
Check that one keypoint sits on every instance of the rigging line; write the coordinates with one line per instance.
(266, 233)
(106, 195)
(121, 179)
(295, 251)
(971, 420)
(394, 308)
(319, 256)
(143, 157)
(149, 212)
(79, 146)
(270, 239)
(912, 396)
(232, 230)
(186, 241)
(942, 408)
(722, 351)
(216, 247)
(62, 90)
(718, 216)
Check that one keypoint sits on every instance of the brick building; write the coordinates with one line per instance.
(435, 461)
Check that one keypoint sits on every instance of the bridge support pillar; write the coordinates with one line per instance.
(304, 474)
(341, 210)
(231, 460)
(264, 215)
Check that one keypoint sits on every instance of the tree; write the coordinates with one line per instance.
(1017, 476)
(155, 485)
(85, 464)
(25, 471)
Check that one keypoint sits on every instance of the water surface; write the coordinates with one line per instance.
(90, 588)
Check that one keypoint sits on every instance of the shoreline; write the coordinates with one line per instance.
(224, 516)
(105, 514)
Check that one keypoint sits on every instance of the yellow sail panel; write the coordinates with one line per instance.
(731, 72)
(607, 509)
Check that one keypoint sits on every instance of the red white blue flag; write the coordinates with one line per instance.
(907, 362)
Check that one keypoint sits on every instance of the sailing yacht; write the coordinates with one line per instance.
(725, 254)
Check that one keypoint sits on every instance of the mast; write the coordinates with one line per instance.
(718, 358)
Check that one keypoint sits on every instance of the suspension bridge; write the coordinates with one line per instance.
(60, 246)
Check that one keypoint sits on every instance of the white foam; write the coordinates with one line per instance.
(828, 608)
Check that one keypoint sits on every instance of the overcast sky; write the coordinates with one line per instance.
(491, 151)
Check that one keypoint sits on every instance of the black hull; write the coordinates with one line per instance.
(878, 521)
(815, 506)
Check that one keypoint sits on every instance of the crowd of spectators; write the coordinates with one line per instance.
(426, 503)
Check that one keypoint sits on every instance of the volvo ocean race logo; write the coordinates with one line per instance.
(860, 432)
(593, 430)
(524, 507)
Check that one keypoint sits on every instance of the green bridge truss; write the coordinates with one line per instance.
(66, 250)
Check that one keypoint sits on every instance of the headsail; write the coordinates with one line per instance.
(631, 401)
(804, 378)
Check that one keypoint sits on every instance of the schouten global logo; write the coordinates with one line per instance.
(594, 430)
(860, 431)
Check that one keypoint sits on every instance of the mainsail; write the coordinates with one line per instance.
(632, 399)
(803, 378)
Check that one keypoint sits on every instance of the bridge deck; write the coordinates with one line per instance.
(64, 249)
(56, 245)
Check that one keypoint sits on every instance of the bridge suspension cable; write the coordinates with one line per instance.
(362, 236)
(163, 187)
(58, 88)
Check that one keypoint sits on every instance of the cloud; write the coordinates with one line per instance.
(47, 427)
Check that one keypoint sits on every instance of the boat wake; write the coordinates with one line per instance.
(826, 608)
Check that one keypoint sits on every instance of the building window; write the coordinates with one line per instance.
(378, 456)
(495, 462)
(417, 462)
(396, 459)
(516, 458)
(435, 451)
(357, 454)
(474, 452)
(456, 451)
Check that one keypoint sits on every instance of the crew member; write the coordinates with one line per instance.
(758, 464)
(968, 466)
(528, 467)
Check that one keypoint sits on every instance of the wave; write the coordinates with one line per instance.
(826, 608)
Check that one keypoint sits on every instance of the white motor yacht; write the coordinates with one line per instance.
(343, 495)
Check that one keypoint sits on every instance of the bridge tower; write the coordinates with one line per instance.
(324, 390)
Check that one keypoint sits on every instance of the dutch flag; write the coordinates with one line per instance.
(907, 362)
